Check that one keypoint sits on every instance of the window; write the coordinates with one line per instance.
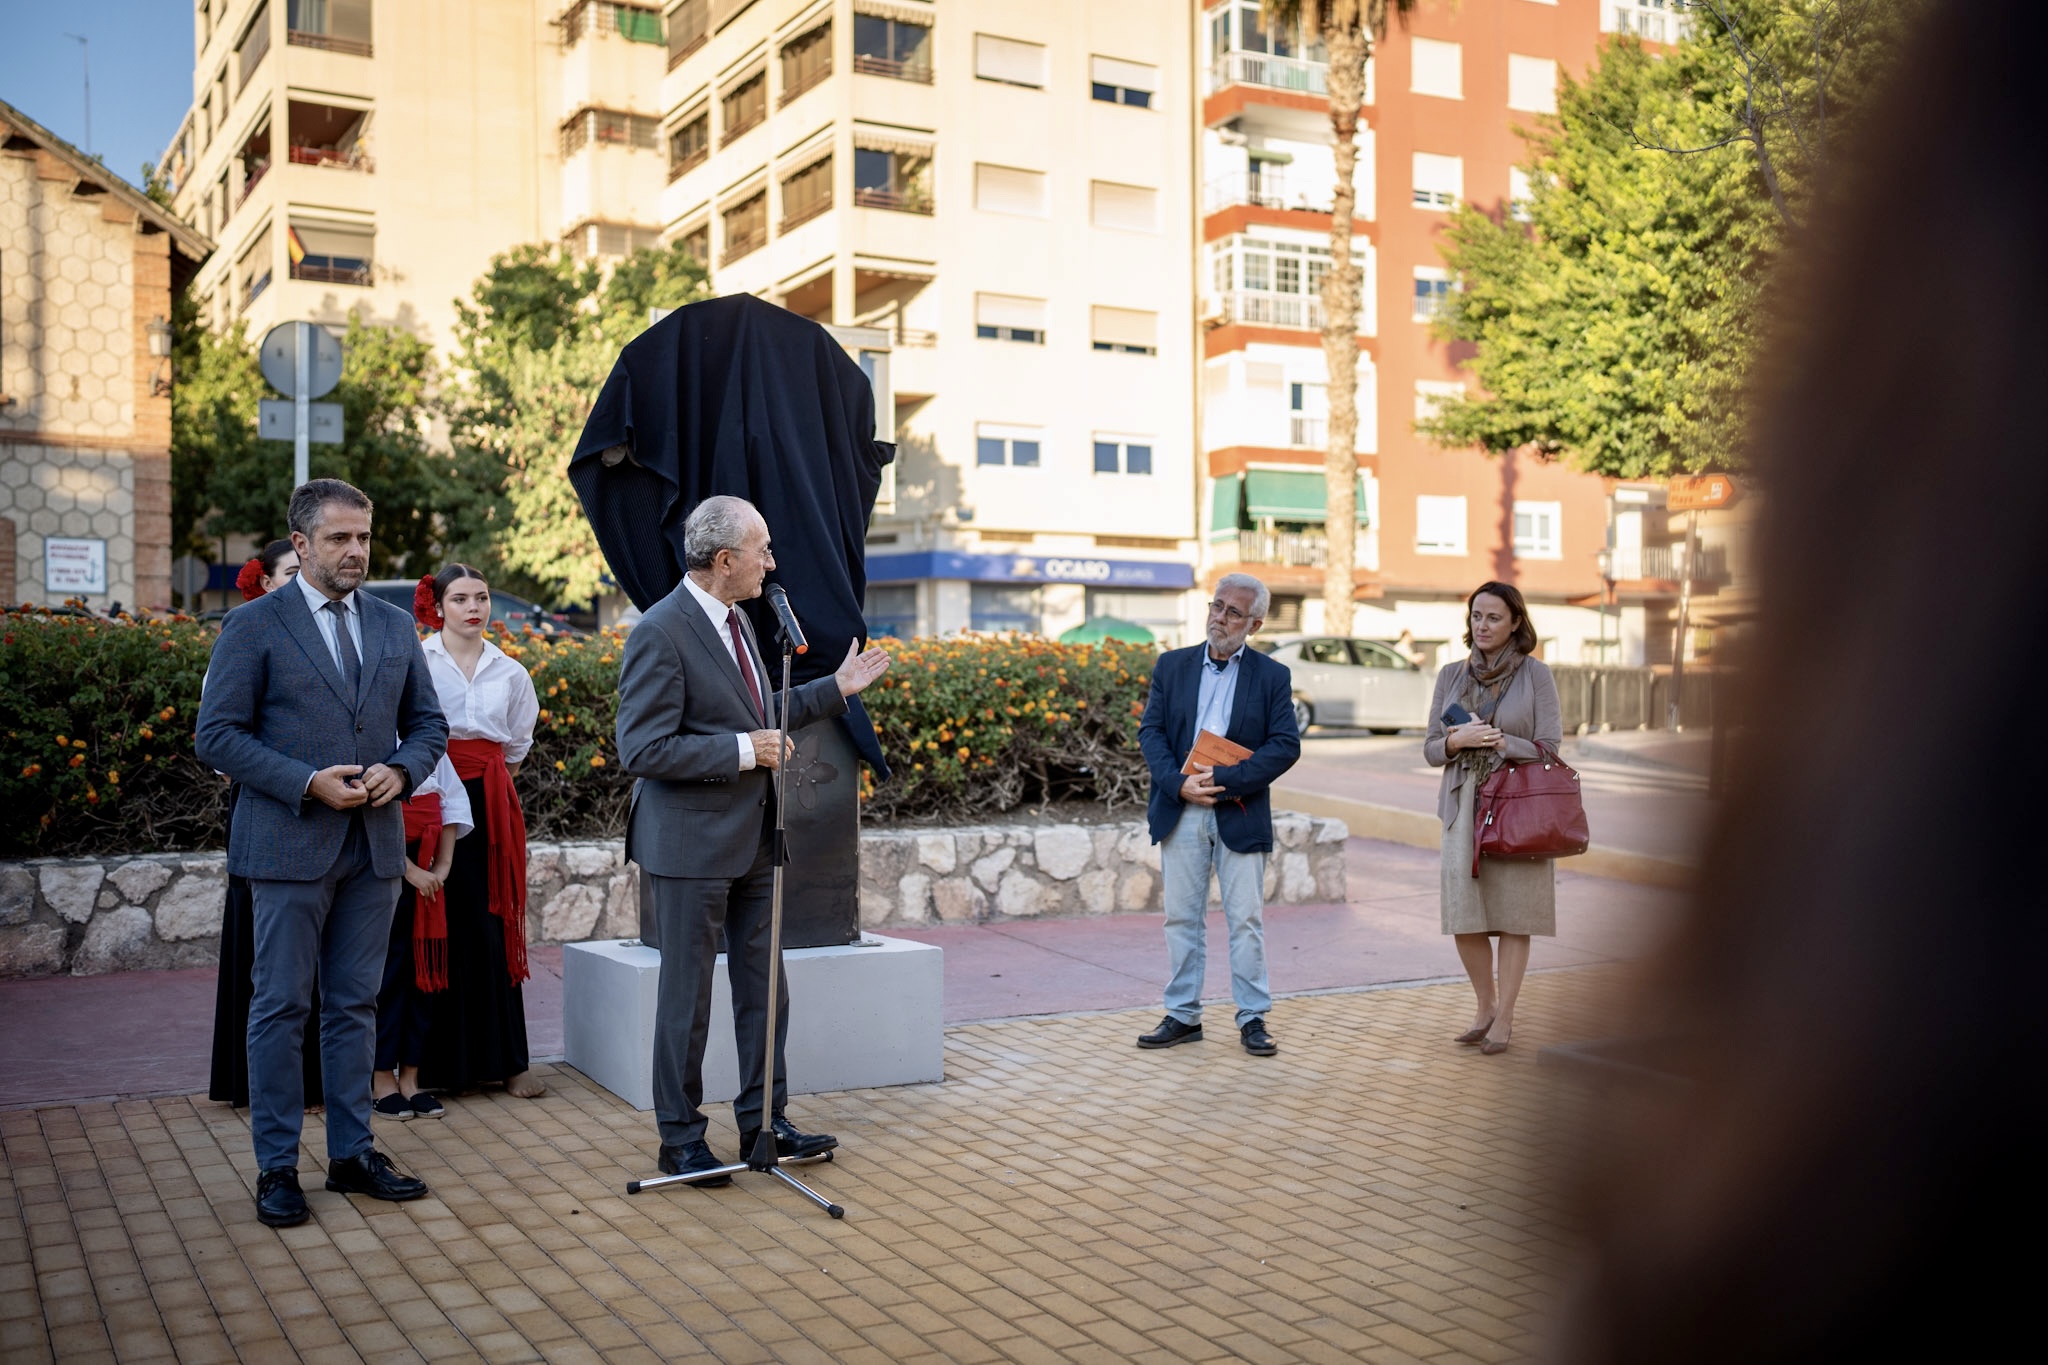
(1123, 455)
(696, 243)
(1003, 606)
(1006, 317)
(1308, 415)
(690, 144)
(1005, 189)
(1521, 199)
(746, 226)
(1017, 446)
(807, 194)
(891, 610)
(892, 47)
(255, 45)
(605, 18)
(331, 253)
(1127, 208)
(1118, 82)
(1439, 180)
(1537, 529)
(1325, 652)
(332, 25)
(1372, 654)
(806, 60)
(1008, 61)
(896, 176)
(609, 128)
(1657, 20)
(743, 106)
(1532, 84)
(1430, 395)
(1436, 68)
(613, 239)
(1439, 525)
(1279, 283)
(253, 269)
(1432, 287)
(688, 26)
(1126, 331)
(1253, 34)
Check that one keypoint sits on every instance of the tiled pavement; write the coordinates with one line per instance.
(1373, 1193)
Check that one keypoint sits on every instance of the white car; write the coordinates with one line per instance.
(1364, 683)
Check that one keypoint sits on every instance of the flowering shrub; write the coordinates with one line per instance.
(96, 732)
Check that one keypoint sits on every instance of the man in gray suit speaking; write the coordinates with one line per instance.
(318, 702)
(695, 705)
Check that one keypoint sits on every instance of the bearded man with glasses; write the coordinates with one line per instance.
(1217, 818)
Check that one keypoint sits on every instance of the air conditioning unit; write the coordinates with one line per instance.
(1214, 313)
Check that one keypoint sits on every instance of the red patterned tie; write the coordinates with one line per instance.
(743, 654)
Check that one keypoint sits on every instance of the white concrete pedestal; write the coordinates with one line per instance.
(867, 1014)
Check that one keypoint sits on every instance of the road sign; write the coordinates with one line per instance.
(275, 421)
(280, 359)
(1699, 492)
(188, 577)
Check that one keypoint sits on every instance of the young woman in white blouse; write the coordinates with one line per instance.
(416, 960)
(476, 1030)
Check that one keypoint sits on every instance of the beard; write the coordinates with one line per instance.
(343, 576)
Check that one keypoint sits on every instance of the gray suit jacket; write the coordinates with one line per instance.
(275, 712)
(681, 701)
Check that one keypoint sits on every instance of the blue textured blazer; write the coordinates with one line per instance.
(1261, 719)
(275, 712)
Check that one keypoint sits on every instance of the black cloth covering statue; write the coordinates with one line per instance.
(738, 396)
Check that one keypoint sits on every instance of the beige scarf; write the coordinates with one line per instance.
(1486, 686)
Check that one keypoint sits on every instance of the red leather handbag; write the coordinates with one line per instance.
(1529, 810)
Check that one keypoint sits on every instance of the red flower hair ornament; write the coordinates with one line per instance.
(424, 609)
(250, 580)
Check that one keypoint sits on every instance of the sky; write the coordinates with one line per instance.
(141, 57)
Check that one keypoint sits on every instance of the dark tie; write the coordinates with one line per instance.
(345, 648)
(743, 654)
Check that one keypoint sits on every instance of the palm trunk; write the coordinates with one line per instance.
(1348, 48)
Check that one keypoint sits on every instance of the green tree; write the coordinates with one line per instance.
(213, 416)
(1348, 29)
(1617, 327)
(537, 339)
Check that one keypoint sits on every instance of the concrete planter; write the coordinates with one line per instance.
(85, 916)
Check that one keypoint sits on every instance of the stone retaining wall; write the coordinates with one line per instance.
(86, 916)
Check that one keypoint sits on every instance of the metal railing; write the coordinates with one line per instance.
(1666, 564)
(331, 274)
(1291, 549)
(900, 201)
(347, 47)
(809, 80)
(920, 72)
(250, 179)
(354, 159)
(1277, 73)
(736, 247)
(800, 216)
(678, 169)
(1274, 310)
(1266, 190)
(1313, 432)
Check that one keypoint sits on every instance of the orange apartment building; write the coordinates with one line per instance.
(1444, 98)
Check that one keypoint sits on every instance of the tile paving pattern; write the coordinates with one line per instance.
(1372, 1193)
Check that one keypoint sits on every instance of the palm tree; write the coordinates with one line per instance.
(1348, 30)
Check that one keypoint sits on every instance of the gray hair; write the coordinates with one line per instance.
(715, 524)
(1262, 596)
(311, 499)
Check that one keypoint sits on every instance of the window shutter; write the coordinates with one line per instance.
(1129, 208)
(1005, 189)
(1129, 75)
(1440, 524)
(1532, 84)
(1009, 310)
(1440, 175)
(1009, 61)
(1436, 68)
(1125, 327)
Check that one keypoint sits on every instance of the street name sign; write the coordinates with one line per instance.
(1699, 492)
(276, 420)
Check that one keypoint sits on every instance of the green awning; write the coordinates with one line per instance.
(1224, 500)
(1262, 154)
(1290, 495)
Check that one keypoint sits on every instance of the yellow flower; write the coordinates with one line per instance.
(78, 744)
(597, 760)
(63, 742)
(560, 766)
(113, 777)
(544, 716)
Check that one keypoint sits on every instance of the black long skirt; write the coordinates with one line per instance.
(231, 996)
(476, 1030)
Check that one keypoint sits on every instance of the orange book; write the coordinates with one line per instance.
(1213, 751)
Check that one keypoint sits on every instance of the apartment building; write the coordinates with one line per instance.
(369, 157)
(1446, 93)
(1008, 191)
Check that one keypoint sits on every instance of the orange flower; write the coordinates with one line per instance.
(560, 766)
(167, 713)
(78, 744)
(597, 760)
(146, 732)
(63, 742)
(78, 760)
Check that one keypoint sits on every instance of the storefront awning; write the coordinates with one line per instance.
(1291, 495)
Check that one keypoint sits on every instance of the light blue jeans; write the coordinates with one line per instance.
(1187, 857)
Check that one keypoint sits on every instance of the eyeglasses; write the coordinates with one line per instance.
(1227, 612)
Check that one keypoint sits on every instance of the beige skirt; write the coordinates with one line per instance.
(1509, 896)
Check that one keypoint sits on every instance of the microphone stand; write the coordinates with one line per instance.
(764, 1157)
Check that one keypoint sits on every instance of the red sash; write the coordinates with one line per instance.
(430, 913)
(507, 824)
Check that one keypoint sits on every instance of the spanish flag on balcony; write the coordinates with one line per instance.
(294, 246)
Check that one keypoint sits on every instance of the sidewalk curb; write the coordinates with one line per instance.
(1422, 829)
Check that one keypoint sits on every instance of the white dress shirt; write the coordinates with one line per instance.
(316, 601)
(498, 703)
(718, 613)
(1217, 692)
(456, 813)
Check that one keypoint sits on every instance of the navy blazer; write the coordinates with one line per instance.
(1261, 719)
(275, 712)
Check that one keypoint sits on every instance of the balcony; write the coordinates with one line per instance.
(1258, 308)
(801, 214)
(1266, 190)
(351, 159)
(1292, 549)
(332, 270)
(916, 70)
(690, 161)
(1275, 73)
(743, 244)
(1310, 433)
(912, 199)
(326, 42)
(251, 177)
(1665, 564)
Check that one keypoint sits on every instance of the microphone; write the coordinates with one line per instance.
(791, 631)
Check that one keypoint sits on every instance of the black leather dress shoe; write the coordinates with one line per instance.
(1257, 1041)
(690, 1157)
(280, 1203)
(790, 1141)
(1169, 1032)
(373, 1174)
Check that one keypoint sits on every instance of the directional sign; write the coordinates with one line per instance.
(280, 361)
(274, 421)
(1699, 492)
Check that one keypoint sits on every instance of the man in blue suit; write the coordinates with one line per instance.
(1218, 818)
(318, 702)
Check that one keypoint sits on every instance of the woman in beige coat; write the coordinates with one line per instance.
(1513, 703)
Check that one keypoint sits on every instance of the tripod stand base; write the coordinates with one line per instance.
(735, 1167)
